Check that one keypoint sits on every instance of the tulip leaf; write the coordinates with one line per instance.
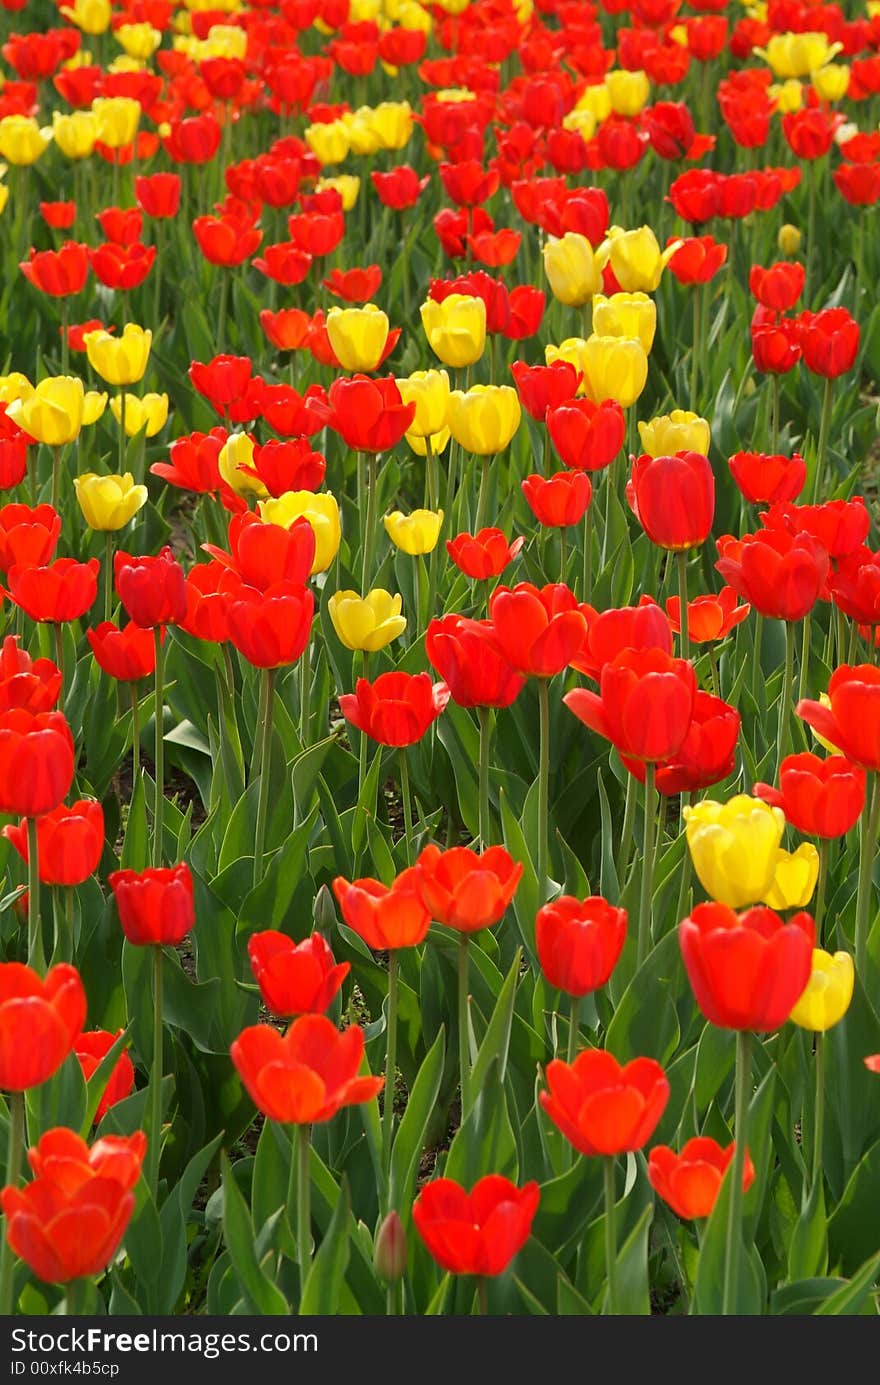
(261, 1295)
(485, 1140)
(850, 1298)
(496, 1040)
(173, 1218)
(525, 901)
(645, 1022)
(97, 1083)
(633, 1293)
(136, 842)
(808, 1247)
(323, 1286)
(410, 1138)
(852, 1230)
(143, 1242)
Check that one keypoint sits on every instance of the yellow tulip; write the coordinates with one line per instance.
(614, 368)
(414, 533)
(680, 431)
(574, 351)
(455, 328)
(328, 142)
(139, 41)
(53, 414)
(484, 419)
(75, 134)
(369, 622)
(22, 140)
(118, 118)
(15, 386)
(238, 452)
(346, 184)
(119, 360)
(322, 512)
(410, 15)
(831, 82)
(828, 994)
(4, 196)
(94, 404)
(438, 443)
(794, 878)
(571, 269)
(108, 502)
(597, 100)
(582, 121)
(363, 137)
(628, 92)
(626, 315)
(635, 257)
(393, 123)
(430, 390)
(358, 336)
(797, 55)
(788, 95)
(734, 847)
(789, 239)
(89, 16)
(149, 412)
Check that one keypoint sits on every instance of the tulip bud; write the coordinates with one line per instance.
(324, 911)
(389, 1256)
(789, 239)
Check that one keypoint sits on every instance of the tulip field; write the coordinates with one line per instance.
(440, 664)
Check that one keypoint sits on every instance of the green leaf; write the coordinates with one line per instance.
(173, 1218)
(323, 1287)
(261, 1295)
(410, 1138)
(850, 1298)
(496, 1040)
(97, 1083)
(633, 1290)
(808, 1248)
(645, 1023)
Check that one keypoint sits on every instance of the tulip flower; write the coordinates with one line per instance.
(828, 992)
(90, 1049)
(264, 554)
(397, 708)
(149, 411)
(476, 1233)
(415, 533)
(322, 513)
(635, 258)
(691, 1180)
(571, 269)
(386, 917)
(429, 391)
(679, 431)
(369, 623)
(455, 328)
(734, 847)
(108, 502)
(358, 336)
(542, 388)
(764, 479)
(53, 412)
(484, 554)
(626, 315)
(120, 360)
(70, 841)
(295, 978)
(614, 368)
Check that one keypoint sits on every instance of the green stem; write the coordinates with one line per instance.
(108, 573)
(154, 1149)
(610, 1234)
(390, 1071)
(734, 1247)
(464, 1059)
(588, 549)
(485, 717)
(362, 743)
(683, 619)
(120, 464)
(15, 1149)
(821, 885)
(574, 1015)
(626, 832)
(483, 496)
(811, 229)
(407, 804)
(36, 956)
(819, 1113)
(782, 739)
(135, 736)
(265, 772)
(563, 555)
(58, 634)
(756, 670)
(75, 1298)
(160, 746)
(543, 789)
(776, 387)
(646, 894)
(221, 325)
(695, 355)
(56, 476)
(867, 850)
(302, 1157)
(305, 695)
(805, 656)
(65, 344)
(369, 525)
(822, 447)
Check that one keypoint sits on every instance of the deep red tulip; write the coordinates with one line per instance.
(58, 273)
(525, 309)
(644, 706)
(476, 1233)
(307, 1075)
(354, 285)
(397, 708)
(292, 414)
(673, 498)
(602, 1107)
(155, 905)
(158, 195)
(560, 500)
(645, 626)
(13, 452)
(829, 341)
(400, 188)
(855, 586)
(193, 465)
(33, 684)
(670, 128)
(747, 970)
(271, 628)
(809, 132)
(697, 259)
(78, 331)
(286, 263)
(858, 184)
(708, 617)
(778, 287)
(763, 478)
(840, 526)
(223, 242)
(706, 755)
(587, 436)
(484, 554)
(579, 942)
(316, 233)
(150, 588)
(40, 1019)
(122, 267)
(544, 387)
(121, 224)
(28, 537)
(70, 842)
(91, 1048)
(226, 382)
(287, 466)
(266, 554)
(369, 414)
(210, 588)
(295, 978)
(821, 798)
(463, 653)
(691, 1181)
(852, 722)
(779, 573)
(776, 347)
(194, 139)
(385, 916)
(127, 653)
(694, 195)
(62, 590)
(538, 630)
(464, 889)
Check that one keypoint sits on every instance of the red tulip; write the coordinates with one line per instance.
(386, 917)
(602, 1107)
(397, 708)
(121, 224)
(194, 139)
(840, 526)
(271, 628)
(560, 500)
(155, 905)
(539, 631)
(484, 554)
(809, 131)
(307, 1075)
(829, 341)
(579, 942)
(821, 798)
(479, 1232)
(673, 498)
(697, 259)
(645, 626)
(39, 1022)
(265, 554)
(292, 414)
(36, 762)
(70, 842)
(61, 591)
(226, 382)
(316, 233)
(747, 970)
(691, 1181)
(778, 287)
(223, 242)
(766, 479)
(127, 654)
(852, 722)
(287, 466)
(295, 978)
(858, 184)
(122, 267)
(544, 387)
(645, 704)
(151, 589)
(158, 195)
(369, 414)
(779, 573)
(91, 1048)
(354, 285)
(400, 188)
(775, 347)
(286, 329)
(28, 537)
(58, 273)
(285, 262)
(466, 890)
(33, 684)
(706, 755)
(694, 195)
(587, 436)
(855, 586)
(464, 654)
(193, 465)
(708, 617)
